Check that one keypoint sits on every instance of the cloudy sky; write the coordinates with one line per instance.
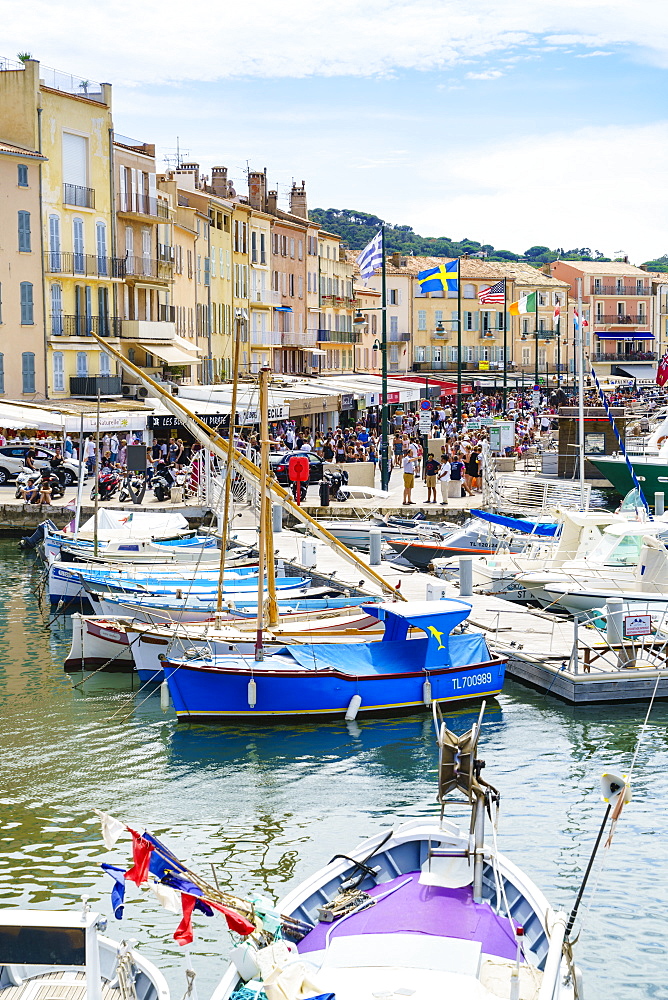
(513, 122)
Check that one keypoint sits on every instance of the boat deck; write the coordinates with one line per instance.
(65, 985)
(539, 645)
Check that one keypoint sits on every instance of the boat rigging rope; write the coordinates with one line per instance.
(606, 853)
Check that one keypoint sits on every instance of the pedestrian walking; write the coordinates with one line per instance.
(443, 480)
(431, 470)
(408, 466)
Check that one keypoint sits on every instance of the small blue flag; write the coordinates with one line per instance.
(438, 279)
(118, 890)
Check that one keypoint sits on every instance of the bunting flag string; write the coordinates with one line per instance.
(155, 866)
(606, 406)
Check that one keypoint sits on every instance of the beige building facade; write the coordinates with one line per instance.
(22, 338)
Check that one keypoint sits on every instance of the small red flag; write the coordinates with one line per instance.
(184, 932)
(235, 921)
(662, 370)
(141, 855)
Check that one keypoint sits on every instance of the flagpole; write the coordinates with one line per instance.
(384, 422)
(459, 341)
(536, 336)
(580, 365)
(505, 347)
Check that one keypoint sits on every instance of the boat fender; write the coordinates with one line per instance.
(353, 708)
(252, 693)
(164, 696)
(243, 957)
(426, 692)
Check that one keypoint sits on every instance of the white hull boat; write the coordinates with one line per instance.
(426, 910)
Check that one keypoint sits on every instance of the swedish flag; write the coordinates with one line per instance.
(438, 279)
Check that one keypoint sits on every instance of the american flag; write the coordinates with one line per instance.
(493, 293)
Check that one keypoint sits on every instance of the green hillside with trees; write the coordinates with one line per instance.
(356, 229)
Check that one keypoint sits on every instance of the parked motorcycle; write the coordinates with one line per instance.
(29, 477)
(336, 479)
(165, 478)
(109, 483)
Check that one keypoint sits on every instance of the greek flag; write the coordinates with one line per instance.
(372, 256)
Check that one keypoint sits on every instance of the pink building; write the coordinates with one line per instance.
(616, 303)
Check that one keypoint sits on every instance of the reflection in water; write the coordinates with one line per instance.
(266, 806)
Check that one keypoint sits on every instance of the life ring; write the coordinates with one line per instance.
(660, 441)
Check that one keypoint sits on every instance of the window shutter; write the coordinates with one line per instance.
(56, 311)
(58, 372)
(476, 320)
(74, 159)
(54, 233)
(26, 303)
(24, 232)
(28, 371)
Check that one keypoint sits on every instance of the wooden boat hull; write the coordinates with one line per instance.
(204, 693)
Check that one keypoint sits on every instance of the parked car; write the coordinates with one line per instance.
(278, 464)
(13, 459)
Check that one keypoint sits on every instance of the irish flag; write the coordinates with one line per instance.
(524, 305)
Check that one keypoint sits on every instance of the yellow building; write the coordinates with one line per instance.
(435, 319)
(22, 346)
(254, 354)
(336, 335)
(69, 120)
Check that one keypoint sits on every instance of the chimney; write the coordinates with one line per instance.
(219, 181)
(257, 190)
(396, 259)
(272, 202)
(192, 168)
(298, 200)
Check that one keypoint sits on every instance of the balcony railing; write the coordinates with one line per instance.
(309, 338)
(266, 338)
(86, 264)
(266, 296)
(633, 356)
(620, 319)
(83, 326)
(89, 385)
(81, 197)
(339, 336)
(338, 301)
(620, 290)
(146, 267)
(137, 203)
(398, 338)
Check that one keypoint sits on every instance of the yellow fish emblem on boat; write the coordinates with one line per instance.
(437, 635)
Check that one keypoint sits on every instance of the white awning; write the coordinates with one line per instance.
(644, 373)
(170, 353)
(315, 350)
(24, 417)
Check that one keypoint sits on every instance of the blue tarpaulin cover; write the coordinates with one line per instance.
(518, 524)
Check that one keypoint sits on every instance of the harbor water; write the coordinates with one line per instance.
(266, 806)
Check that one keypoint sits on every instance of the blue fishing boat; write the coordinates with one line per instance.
(317, 679)
(69, 582)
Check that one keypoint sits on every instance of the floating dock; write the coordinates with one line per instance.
(543, 649)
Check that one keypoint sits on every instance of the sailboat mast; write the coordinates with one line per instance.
(264, 556)
(229, 467)
(208, 437)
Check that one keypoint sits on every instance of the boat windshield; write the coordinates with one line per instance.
(615, 551)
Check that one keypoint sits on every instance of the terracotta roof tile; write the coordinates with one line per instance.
(7, 147)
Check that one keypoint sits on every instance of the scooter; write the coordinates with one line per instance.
(337, 479)
(109, 482)
(29, 477)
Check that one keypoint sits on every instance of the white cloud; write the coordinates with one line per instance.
(561, 189)
(158, 40)
(592, 55)
(489, 74)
